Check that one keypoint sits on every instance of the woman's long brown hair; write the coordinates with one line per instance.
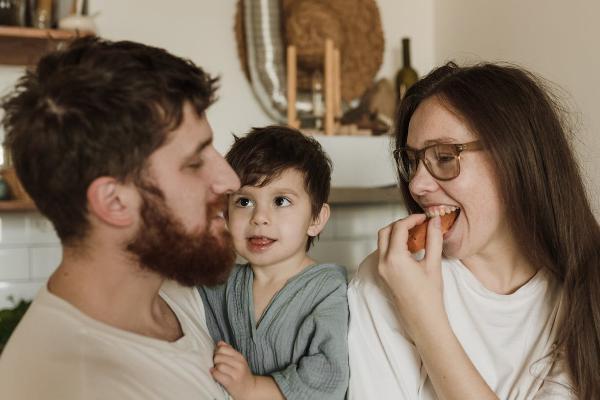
(522, 127)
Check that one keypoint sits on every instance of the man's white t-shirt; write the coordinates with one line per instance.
(507, 337)
(57, 352)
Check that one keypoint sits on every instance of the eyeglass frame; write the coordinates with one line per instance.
(420, 156)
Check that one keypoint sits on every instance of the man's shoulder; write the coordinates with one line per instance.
(46, 343)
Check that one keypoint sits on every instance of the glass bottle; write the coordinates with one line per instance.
(44, 14)
(406, 76)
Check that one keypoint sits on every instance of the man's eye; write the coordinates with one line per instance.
(243, 202)
(195, 165)
(282, 201)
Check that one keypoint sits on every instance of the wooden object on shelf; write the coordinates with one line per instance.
(292, 83)
(16, 206)
(329, 88)
(365, 195)
(337, 85)
(17, 190)
(24, 46)
(20, 200)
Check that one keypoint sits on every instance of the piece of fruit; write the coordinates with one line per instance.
(418, 234)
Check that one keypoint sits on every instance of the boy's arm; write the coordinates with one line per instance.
(323, 372)
(231, 370)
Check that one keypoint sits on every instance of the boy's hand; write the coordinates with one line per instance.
(231, 370)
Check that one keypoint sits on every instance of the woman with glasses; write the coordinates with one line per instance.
(506, 304)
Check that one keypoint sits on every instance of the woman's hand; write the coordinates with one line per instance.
(415, 285)
(417, 289)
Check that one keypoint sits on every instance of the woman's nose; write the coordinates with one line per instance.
(422, 182)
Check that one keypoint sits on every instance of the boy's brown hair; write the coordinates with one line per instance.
(264, 153)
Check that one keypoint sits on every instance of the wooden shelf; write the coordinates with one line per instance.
(16, 206)
(367, 195)
(24, 46)
(338, 196)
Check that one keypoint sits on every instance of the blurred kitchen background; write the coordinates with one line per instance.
(556, 39)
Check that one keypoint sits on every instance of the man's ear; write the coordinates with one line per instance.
(111, 201)
(319, 222)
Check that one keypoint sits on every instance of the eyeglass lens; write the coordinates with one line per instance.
(441, 160)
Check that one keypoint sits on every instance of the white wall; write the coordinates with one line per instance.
(556, 39)
(204, 32)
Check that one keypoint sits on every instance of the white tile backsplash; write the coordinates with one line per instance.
(30, 249)
(349, 252)
(26, 228)
(18, 290)
(44, 260)
(14, 264)
(29, 253)
(351, 233)
(362, 221)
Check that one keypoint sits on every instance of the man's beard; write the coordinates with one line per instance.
(163, 245)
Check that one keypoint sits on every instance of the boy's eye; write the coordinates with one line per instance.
(282, 201)
(243, 202)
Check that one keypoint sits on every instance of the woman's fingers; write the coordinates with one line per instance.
(383, 237)
(399, 233)
(435, 242)
(394, 236)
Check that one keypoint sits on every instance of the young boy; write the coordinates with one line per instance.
(281, 320)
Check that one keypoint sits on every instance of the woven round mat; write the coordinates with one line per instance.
(354, 26)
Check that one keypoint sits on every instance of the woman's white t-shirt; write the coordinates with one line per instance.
(507, 337)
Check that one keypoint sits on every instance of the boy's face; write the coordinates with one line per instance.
(270, 224)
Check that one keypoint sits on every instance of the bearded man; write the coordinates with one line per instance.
(111, 141)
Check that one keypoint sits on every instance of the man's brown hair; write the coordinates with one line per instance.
(97, 108)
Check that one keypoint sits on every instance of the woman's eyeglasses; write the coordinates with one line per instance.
(442, 160)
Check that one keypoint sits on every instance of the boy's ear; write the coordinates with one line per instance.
(320, 221)
(111, 201)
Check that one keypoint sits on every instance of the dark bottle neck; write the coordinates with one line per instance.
(406, 52)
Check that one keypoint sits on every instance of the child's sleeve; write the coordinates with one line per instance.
(323, 372)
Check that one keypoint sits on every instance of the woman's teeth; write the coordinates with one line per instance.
(440, 211)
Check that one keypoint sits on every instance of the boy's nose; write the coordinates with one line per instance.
(260, 217)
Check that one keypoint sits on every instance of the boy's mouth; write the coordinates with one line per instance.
(260, 243)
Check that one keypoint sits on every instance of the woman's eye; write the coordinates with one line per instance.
(243, 202)
(445, 158)
(282, 202)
